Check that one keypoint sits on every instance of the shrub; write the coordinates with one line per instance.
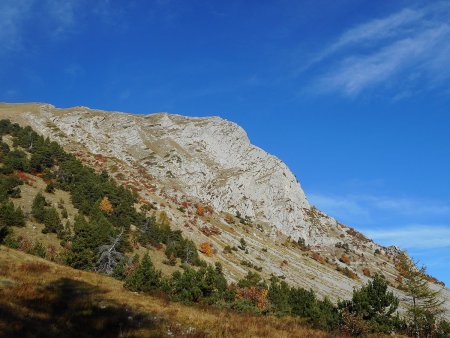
(206, 249)
(302, 244)
(227, 249)
(229, 218)
(347, 272)
(9, 240)
(38, 249)
(252, 279)
(205, 285)
(366, 272)
(345, 259)
(256, 295)
(352, 324)
(200, 210)
(64, 213)
(50, 188)
(317, 257)
(243, 244)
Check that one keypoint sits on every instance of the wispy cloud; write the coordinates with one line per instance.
(58, 19)
(414, 236)
(420, 226)
(13, 14)
(366, 204)
(337, 206)
(398, 51)
(63, 15)
(373, 31)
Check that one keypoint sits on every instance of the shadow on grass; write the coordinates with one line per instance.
(70, 308)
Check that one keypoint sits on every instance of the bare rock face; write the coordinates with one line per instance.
(211, 159)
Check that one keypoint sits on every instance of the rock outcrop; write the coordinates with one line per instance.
(211, 159)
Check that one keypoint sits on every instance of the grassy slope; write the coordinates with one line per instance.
(39, 298)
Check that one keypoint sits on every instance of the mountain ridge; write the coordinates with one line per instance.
(172, 137)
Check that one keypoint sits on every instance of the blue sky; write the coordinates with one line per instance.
(353, 95)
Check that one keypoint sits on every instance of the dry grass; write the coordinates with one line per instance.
(35, 267)
(37, 291)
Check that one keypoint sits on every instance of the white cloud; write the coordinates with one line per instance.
(56, 18)
(12, 16)
(338, 205)
(414, 236)
(63, 15)
(366, 204)
(373, 31)
(384, 52)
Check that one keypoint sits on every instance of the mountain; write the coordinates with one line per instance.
(218, 188)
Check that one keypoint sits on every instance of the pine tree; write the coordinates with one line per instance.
(10, 216)
(38, 207)
(374, 303)
(88, 237)
(145, 278)
(279, 296)
(52, 221)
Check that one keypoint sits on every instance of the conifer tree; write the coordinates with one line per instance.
(424, 305)
(106, 206)
(374, 303)
(52, 221)
(38, 207)
(145, 278)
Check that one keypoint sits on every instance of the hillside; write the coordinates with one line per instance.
(227, 202)
(39, 298)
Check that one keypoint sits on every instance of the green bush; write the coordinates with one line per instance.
(38, 249)
(50, 188)
(252, 279)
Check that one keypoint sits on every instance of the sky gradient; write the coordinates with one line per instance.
(353, 95)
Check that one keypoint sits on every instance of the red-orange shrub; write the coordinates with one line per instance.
(200, 210)
(258, 296)
(345, 259)
(317, 257)
(206, 249)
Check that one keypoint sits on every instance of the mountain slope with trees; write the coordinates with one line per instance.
(111, 230)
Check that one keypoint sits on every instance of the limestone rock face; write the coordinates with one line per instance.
(211, 159)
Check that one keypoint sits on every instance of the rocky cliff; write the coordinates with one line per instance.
(210, 159)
